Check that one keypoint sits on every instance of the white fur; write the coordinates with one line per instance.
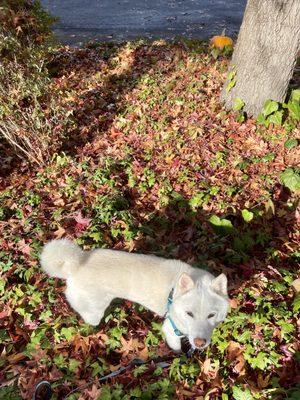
(96, 277)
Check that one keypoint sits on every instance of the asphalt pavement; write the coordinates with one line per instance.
(118, 20)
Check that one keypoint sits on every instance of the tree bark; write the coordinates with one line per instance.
(265, 54)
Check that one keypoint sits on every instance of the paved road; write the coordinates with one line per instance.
(82, 20)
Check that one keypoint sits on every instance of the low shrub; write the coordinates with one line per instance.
(28, 114)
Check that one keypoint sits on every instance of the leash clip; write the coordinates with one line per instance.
(44, 388)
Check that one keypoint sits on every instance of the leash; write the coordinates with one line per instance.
(170, 302)
(44, 388)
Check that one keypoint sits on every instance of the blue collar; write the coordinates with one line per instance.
(170, 301)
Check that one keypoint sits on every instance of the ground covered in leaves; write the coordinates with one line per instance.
(147, 160)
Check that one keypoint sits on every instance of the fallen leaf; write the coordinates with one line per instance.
(59, 233)
(296, 285)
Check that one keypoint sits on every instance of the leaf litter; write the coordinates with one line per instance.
(150, 162)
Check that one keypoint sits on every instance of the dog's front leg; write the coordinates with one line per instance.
(172, 339)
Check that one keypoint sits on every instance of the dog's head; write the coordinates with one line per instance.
(199, 306)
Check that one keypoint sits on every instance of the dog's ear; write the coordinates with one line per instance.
(219, 285)
(185, 283)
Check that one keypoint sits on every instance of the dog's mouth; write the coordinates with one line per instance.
(188, 347)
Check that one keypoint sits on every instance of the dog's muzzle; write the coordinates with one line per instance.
(199, 343)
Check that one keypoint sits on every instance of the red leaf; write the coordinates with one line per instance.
(81, 222)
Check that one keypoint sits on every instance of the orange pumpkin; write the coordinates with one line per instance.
(221, 41)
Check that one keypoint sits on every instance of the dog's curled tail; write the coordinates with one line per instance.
(60, 258)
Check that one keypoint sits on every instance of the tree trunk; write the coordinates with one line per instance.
(265, 54)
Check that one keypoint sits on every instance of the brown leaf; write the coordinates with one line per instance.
(4, 314)
(296, 285)
(143, 354)
(24, 247)
(263, 382)
(80, 344)
(16, 358)
(92, 393)
(235, 354)
(186, 392)
(233, 303)
(207, 366)
(59, 233)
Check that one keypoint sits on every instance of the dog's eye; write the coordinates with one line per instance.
(190, 314)
(211, 315)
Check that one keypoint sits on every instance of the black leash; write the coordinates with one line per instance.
(44, 389)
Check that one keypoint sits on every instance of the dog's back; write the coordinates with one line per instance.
(95, 274)
(194, 300)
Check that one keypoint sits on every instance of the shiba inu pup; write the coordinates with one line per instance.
(192, 300)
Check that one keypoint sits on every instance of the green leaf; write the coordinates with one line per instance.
(247, 215)
(73, 364)
(290, 143)
(291, 179)
(222, 226)
(60, 361)
(286, 327)
(261, 119)
(230, 85)
(96, 236)
(238, 104)
(10, 393)
(241, 117)
(240, 394)
(260, 361)
(296, 303)
(139, 370)
(294, 110)
(97, 368)
(295, 96)
(136, 392)
(68, 333)
(276, 118)
(215, 53)
(269, 107)
(2, 285)
(243, 243)
(196, 201)
(268, 157)
(231, 75)
(231, 80)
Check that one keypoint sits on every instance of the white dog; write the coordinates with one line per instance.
(192, 301)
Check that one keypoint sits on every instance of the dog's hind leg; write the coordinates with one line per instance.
(91, 311)
(94, 312)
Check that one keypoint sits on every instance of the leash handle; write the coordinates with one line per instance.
(43, 385)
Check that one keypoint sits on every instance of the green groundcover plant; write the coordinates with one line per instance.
(136, 153)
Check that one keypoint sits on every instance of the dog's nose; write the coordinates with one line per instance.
(199, 342)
